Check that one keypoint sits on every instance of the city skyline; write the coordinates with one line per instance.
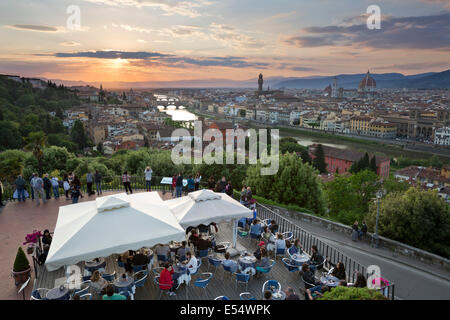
(156, 40)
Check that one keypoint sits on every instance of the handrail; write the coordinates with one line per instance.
(308, 240)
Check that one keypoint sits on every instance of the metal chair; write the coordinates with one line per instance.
(202, 254)
(142, 277)
(226, 269)
(139, 268)
(280, 252)
(307, 284)
(86, 278)
(288, 235)
(127, 294)
(246, 296)
(242, 278)
(203, 282)
(109, 277)
(269, 284)
(162, 258)
(266, 270)
(87, 296)
(222, 298)
(214, 262)
(84, 288)
(39, 294)
(289, 266)
(120, 264)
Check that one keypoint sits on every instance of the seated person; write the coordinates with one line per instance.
(203, 244)
(273, 226)
(165, 279)
(257, 253)
(110, 295)
(181, 252)
(162, 250)
(290, 294)
(342, 283)
(296, 248)
(98, 283)
(316, 258)
(126, 259)
(263, 263)
(267, 295)
(140, 259)
(230, 263)
(360, 282)
(46, 240)
(338, 271)
(267, 234)
(317, 291)
(308, 276)
(193, 238)
(192, 263)
(280, 243)
(255, 227)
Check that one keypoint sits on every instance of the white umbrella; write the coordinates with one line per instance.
(206, 206)
(109, 225)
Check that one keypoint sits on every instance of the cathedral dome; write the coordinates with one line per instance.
(367, 83)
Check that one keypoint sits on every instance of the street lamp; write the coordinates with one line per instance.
(375, 236)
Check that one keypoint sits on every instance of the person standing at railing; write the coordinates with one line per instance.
(174, 185)
(89, 181)
(47, 186)
(38, 186)
(197, 180)
(179, 185)
(20, 187)
(126, 179)
(31, 187)
(55, 187)
(191, 184)
(98, 182)
(148, 178)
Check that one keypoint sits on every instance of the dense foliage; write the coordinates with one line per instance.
(352, 293)
(24, 109)
(416, 217)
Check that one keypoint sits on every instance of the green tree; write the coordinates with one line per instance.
(435, 162)
(319, 160)
(36, 142)
(10, 137)
(11, 163)
(295, 183)
(373, 164)
(416, 217)
(79, 135)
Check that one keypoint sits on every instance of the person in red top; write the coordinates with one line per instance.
(165, 279)
(174, 184)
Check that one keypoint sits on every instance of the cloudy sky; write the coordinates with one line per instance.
(163, 40)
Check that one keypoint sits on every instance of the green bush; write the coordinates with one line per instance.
(351, 293)
(21, 263)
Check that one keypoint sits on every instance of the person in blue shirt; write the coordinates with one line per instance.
(191, 184)
(230, 263)
(255, 227)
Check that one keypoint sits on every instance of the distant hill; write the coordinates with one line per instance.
(430, 80)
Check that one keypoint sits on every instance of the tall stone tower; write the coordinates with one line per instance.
(260, 82)
(334, 88)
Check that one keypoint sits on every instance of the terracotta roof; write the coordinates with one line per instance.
(346, 154)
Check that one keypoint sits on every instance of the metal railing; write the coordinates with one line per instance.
(109, 183)
(307, 240)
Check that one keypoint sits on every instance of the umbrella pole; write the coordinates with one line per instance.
(234, 233)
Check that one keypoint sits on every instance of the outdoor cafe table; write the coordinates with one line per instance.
(180, 273)
(58, 294)
(278, 295)
(299, 259)
(247, 264)
(93, 265)
(124, 285)
(329, 281)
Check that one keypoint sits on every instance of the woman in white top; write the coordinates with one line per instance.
(192, 263)
(97, 282)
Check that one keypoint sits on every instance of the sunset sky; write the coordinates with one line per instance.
(164, 40)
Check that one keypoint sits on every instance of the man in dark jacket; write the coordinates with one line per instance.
(223, 185)
(179, 186)
(98, 182)
(20, 186)
(47, 186)
(363, 231)
(140, 259)
(316, 259)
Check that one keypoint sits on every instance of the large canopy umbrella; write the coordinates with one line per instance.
(206, 206)
(109, 225)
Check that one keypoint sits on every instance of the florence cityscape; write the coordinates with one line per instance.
(225, 150)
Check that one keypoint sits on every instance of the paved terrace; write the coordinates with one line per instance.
(413, 280)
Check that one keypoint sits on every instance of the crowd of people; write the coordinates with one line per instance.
(359, 234)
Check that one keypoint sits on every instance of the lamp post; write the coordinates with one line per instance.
(375, 236)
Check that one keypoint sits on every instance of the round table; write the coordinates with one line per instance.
(299, 259)
(329, 281)
(180, 273)
(58, 294)
(124, 285)
(247, 264)
(94, 265)
(278, 295)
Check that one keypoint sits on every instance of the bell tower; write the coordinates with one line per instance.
(260, 82)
